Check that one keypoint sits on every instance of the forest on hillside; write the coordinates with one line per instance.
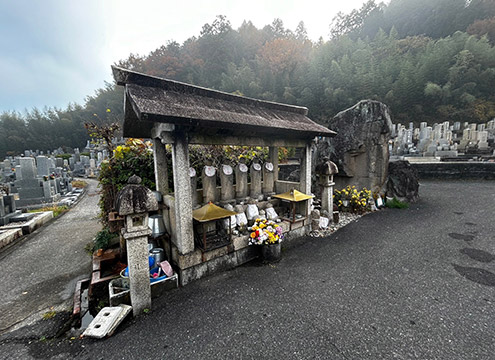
(429, 60)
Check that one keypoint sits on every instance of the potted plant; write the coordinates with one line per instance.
(269, 235)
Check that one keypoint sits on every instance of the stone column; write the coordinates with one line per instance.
(255, 172)
(305, 177)
(209, 177)
(327, 185)
(182, 192)
(273, 158)
(241, 180)
(227, 182)
(139, 277)
(160, 164)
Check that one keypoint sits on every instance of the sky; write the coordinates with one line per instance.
(56, 52)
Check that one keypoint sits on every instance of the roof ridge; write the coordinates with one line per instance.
(125, 76)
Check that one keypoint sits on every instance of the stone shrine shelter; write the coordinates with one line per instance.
(180, 114)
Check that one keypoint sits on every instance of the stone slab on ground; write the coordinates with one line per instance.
(107, 320)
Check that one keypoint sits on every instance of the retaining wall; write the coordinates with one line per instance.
(456, 170)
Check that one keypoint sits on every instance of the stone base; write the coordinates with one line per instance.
(29, 226)
(9, 236)
(226, 202)
(223, 263)
(198, 264)
(34, 201)
(7, 218)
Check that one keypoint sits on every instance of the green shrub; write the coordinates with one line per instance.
(102, 240)
(396, 204)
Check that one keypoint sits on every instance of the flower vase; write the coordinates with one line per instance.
(271, 253)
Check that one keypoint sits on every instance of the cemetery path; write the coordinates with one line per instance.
(41, 271)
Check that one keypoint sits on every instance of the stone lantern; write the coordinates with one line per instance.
(326, 170)
(134, 202)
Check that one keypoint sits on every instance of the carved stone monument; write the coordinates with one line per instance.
(360, 149)
(241, 180)
(268, 179)
(255, 172)
(227, 193)
(209, 177)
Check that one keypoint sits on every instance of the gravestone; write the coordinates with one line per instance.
(209, 177)
(28, 168)
(241, 180)
(227, 193)
(85, 160)
(72, 162)
(255, 172)
(43, 165)
(33, 190)
(7, 209)
(77, 155)
(59, 162)
(18, 172)
(268, 179)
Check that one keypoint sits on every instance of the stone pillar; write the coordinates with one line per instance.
(2, 209)
(139, 276)
(268, 179)
(160, 165)
(241, 180)
(327, 193)
(227, 182)
(182, 192)
(255, 172)
(194, 186)
(305, 177)
(273, 158)
(209, 177)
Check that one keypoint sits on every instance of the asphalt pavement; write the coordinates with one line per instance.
(417, 283)
(39, 273)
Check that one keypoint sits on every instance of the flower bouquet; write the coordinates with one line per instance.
(265, 232)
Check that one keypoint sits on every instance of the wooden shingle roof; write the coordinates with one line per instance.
(151, 99)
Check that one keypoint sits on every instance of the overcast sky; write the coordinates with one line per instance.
(56, 52)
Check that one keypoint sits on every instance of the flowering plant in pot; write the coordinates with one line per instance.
(265, 232)
(269, 234)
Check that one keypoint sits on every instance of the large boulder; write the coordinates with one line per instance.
(360, 148)
(403, 182)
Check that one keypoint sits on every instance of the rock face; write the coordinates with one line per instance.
(360, 148)
(402, 181)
